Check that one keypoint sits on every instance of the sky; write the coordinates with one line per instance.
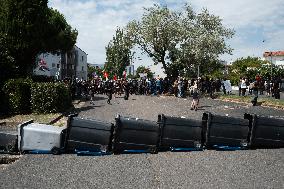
(259, 24)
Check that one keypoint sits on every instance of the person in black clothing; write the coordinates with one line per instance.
(126, 89)
(276, 88)
(109, 90)
(254, 89)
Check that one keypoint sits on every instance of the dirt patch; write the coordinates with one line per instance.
(8, 160)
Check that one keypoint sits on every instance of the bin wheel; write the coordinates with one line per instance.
(9, 148)
(153, 150)
(55, 151)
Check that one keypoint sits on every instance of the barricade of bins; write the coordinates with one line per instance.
(133, 135)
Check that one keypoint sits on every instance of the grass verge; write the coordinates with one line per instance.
(263, 101)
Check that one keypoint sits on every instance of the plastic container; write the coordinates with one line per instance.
(226, 132)
(135, 135)
(88, 135)
(266, 132)
(41, 138)
(8, 142)
(180, 134)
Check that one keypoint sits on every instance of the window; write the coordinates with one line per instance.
(82, 58)
(53, 65)
(82, 68)
(58, 65)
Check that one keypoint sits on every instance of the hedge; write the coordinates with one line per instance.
(50, 97)
(18, 93)
(4, 106)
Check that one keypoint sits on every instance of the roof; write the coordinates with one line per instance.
(80, 49)
(276, 53)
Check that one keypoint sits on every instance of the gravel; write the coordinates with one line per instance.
(262, 168)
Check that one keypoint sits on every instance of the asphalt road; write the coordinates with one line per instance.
(263, 168)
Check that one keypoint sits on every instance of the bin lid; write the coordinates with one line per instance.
(90, 123)
(43, 128)
(136, 123)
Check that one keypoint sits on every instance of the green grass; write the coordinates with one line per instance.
(264, 101)
(39, 118)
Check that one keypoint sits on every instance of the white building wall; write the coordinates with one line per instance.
(52, 63)
(81, 65)
(276, 60)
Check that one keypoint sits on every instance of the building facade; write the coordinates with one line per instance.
(276, 57)
(72, 64)
(81, 71)
(48, 64)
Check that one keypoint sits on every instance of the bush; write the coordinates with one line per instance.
(18, 94)
(50, 97)
(41, 78)
(4, 106)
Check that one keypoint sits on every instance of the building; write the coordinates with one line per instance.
(277, 57)
(72, 64)
(81, 71)
(48, 64)
(130, 70)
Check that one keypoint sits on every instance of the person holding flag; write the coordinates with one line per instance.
(106, 75)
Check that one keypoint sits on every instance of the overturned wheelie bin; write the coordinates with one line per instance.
(133, 135)
(226, 133)
(9, 142)
(41, 138)
(88, 136)
(266, 132)
(180, 134)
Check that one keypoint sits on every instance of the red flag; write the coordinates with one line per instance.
(105, 74)
(114, 78)
(124, 74)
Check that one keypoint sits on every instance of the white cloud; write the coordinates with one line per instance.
(96, 21)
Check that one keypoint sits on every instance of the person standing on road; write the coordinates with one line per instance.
(243, 87)
(255, 86)
(109, 90)
(126, 89)
(195, 99)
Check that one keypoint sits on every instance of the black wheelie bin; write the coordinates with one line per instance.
(133, 135)
(266, 132)
(88, 135)
(227, 133)
(180, 133)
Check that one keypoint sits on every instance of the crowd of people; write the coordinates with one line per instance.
(260, 86)
(179, 87)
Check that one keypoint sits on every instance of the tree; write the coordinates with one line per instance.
(248, 67)
(29, 27)
(118, 54)
(180, 40)
(92, 69)
(143, 69)
(156, 33)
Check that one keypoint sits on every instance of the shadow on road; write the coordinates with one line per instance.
(205, 107)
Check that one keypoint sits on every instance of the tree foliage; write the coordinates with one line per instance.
(180, 40)
(29, 27)
(143, 69)
(249, 67)
(118, 53)
(92, 70)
